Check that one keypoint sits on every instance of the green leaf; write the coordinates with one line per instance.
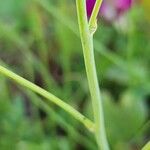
(124, 119)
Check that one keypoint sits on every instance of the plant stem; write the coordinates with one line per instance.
(93, 18)
(77, 115)
(147, 146)
(88, 51)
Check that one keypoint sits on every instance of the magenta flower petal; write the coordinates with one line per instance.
(108, 11)
(110, 8)
(89, 6)
(123, 5)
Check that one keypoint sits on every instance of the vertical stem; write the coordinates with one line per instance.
(88, 51)
(93, 18)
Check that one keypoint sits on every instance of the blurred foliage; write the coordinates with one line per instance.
(39, 40)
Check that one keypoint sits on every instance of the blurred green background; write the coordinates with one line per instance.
(39, 40)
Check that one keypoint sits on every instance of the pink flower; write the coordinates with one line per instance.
(89, 6)
(110, 8)
(123, 5)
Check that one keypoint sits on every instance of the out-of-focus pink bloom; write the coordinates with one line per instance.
(110, 8)
(89, 6)
(123, 5)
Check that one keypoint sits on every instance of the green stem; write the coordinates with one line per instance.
(88, 51)
(147, 146)
(93, 18)
(88, 123)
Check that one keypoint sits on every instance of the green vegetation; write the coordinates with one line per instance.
(39, 40)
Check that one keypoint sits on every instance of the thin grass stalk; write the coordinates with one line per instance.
(50, 97)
